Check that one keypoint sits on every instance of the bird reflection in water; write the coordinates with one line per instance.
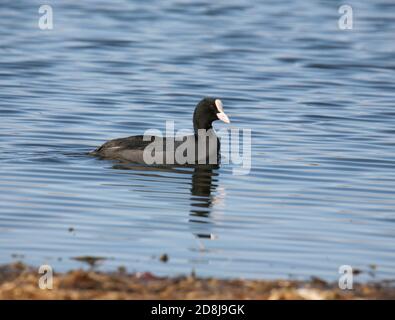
(204, 183)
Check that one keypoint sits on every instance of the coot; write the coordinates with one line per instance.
(200, 148)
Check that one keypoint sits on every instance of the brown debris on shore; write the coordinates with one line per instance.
(18, 281)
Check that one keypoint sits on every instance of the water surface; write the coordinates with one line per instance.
(319, 101)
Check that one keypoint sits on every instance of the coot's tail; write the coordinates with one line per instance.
(95, 152)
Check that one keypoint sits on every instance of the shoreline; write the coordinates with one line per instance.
(19, 281)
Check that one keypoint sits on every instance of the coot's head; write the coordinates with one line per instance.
(207, 111)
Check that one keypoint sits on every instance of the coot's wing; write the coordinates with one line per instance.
(132, 148)
(130, 143)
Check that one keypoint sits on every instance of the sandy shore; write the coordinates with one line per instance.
(18, 281)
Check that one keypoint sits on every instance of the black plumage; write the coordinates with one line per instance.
(132, 148)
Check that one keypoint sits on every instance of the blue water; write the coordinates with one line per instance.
(320, 102)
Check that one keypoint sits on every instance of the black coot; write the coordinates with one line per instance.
(164, 150)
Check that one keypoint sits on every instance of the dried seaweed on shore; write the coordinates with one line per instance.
(18, 281)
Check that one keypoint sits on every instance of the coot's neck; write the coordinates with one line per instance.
(206, 127)
(202, 124)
